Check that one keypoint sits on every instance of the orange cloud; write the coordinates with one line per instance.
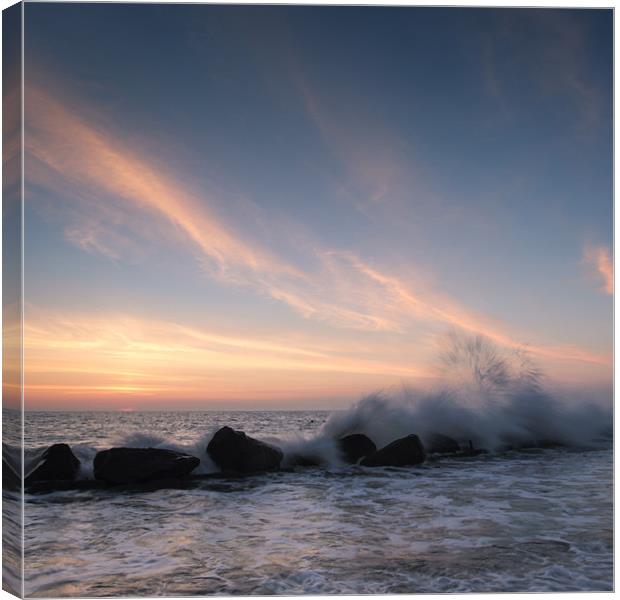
(403, 305)
(107, 360)
(81, 154)
(80, 358)
(337, 288)
(599, 259)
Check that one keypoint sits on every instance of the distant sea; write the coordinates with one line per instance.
(513, 521)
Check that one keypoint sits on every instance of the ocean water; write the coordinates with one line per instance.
(508, 521)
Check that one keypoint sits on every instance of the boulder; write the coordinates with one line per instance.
(56, 463)
(400, 453)
(11, 480)
(437, 443)
(11, 467)
(118, 466)
(356, 446)
(235, 451)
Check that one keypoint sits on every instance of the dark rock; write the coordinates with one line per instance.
(55, 463)
(400, 453)
(11, 467)
(235, 451)
(43, 487)
(299, 460)
(470, 450)
(437, 443)
(10, 479)
(119, 466)
(356, 446)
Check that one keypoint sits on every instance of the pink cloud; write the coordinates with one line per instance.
(598, 258)
(335, 287)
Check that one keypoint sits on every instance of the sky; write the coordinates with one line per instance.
(289, 207)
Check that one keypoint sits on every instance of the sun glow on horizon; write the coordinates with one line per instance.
(319, 253)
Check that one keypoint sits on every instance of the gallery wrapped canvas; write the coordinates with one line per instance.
(306, 300)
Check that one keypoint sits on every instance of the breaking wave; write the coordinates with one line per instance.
(493, 398)
(487, 397)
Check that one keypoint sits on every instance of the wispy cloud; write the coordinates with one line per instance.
(402, 306)
(86, 156)
(107, 355)
(598, 259)
(339, 288)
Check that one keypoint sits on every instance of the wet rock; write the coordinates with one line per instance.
(235, 451)
(470, 450)
(356, 446)
(10, 479)
(44, 487)
(119, 466)
(437, 443)
(305, 460)
(56, 463)
(11, 467)
(400, 453)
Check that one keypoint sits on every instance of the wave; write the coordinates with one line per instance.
(492, 397)
(487, 397)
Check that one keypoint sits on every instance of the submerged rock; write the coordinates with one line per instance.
(400, 453)
(56, 463)
(119, 466)
(356, 446)
(235, 451)
(437, 443)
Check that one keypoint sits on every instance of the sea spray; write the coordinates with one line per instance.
(490, 397)
(493, 398)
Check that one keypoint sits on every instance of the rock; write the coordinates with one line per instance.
(437, 443)
(11, 467)
(119, 466)
(305, 460)
(235, 451)
(44, 487)
(10, 479)
(400, 453)
(56, 463)
(470, 450)
(356, 446)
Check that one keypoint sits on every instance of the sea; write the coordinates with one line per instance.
(529, 520)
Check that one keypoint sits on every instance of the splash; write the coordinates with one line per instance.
(493, 397)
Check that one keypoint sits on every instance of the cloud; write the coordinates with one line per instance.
(82, 357)
(401, 306)
(120, 193)
(86, 156)
(598, 258)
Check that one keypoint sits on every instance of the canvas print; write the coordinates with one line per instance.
(306, 300)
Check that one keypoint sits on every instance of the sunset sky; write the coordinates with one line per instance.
(255, 207)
